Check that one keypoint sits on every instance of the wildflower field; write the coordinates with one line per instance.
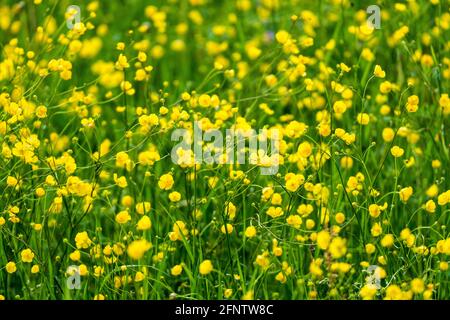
(101, 200)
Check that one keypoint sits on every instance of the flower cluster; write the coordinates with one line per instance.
(87, 117)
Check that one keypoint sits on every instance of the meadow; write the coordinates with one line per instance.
(94, 206)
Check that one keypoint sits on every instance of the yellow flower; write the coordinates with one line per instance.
(339, 132)
(393, 292)
(386, 87)
(141, 75)
(88, 122)
(252, 51)
(385, 110)
(248, 295)
(413, 103)
(275, 212)
(35, 269)
(436, 164)
(250, 232)
(417, 285)
(397, 152)
(363, 119)
(340, 217)
(40, 192)
(11, 181)
(349, 138)
(388, 134)
(185, 96)
(41, 112)
(148, 121)
(226, 229)
(314, 267)
(227, 293)
(387, 241)
(378, 72)
(376, 229)
(82, 240)
(430, 206)
(123, 217)
(281, 277)
(75, 255)
(295, 221)
(120, 181)
(205, 267)
(144, 223)
(370, 248)
(143, 207)
(174, 196)
(204, 100)
(428, 294)
(374, 210)
(148, 158)
(176, 270)
(179, 231)
(304, 149)
(432, 191)
(166, 181)
(122, 62)
(338, 247)
(323, 239)
(139, 276)
(293, 181)
(367, 292)
(444, 198)
(11, 267)
(282, 36)
(344, 67)
(127, 201)
(127, 87)
(277, 251)
(405, 194)
(444, 102)
(122, 159)
(339, 107)
(27, 255)
(230, 211)
(346, 162)
(142, 57)
(138, 248)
